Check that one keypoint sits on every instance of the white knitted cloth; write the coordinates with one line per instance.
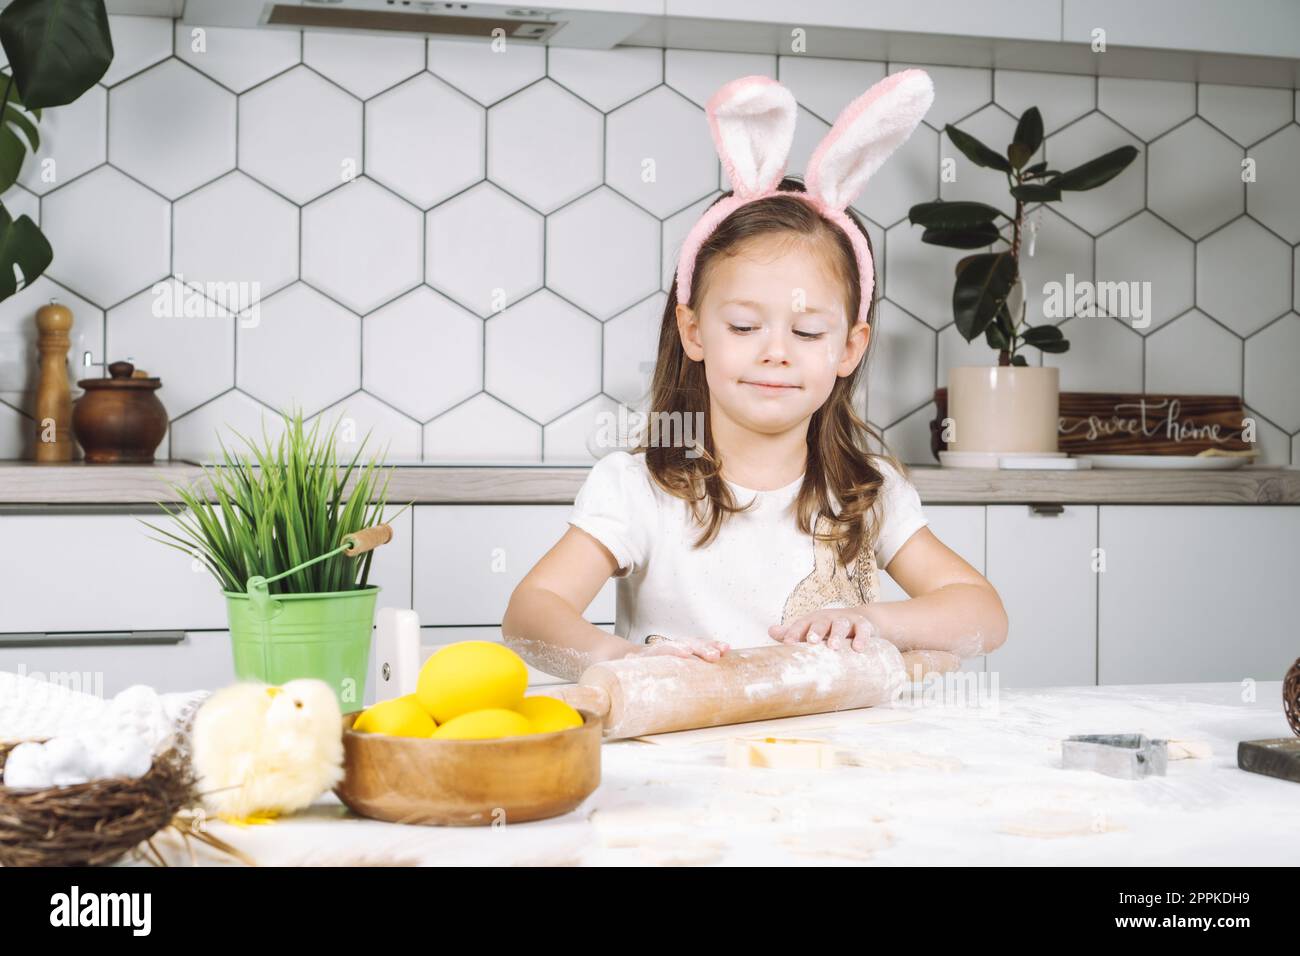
(36, 708)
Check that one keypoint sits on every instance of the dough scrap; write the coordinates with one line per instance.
(780, 753)
(1048, 824)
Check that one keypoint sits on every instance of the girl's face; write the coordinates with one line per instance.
(772, 332)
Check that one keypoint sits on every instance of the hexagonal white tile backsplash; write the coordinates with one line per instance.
(466, 252)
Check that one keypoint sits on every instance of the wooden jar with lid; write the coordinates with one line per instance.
(119, 420)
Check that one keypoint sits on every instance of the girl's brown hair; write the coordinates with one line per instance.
(839, 458)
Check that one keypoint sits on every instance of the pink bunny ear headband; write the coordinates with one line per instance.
(752, 123)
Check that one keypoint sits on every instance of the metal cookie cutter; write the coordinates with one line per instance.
(1129, 756)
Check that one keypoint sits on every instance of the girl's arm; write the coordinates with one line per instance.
(543, 622)
(952, 607)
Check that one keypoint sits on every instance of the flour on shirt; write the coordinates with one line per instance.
(760, 570)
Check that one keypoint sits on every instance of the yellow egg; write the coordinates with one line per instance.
(548, 714)
(471, 675)
(483, 724)
(400, 717)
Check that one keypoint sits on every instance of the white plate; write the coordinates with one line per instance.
(1167, 462)
(1045, 463)
(1003, 459)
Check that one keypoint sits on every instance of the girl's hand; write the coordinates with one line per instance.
(658, 646)
(835, 627)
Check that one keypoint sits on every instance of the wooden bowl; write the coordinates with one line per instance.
(469, 782)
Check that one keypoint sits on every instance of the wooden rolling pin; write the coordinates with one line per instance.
(635, 696)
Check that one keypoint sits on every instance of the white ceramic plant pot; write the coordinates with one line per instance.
(1003, 408)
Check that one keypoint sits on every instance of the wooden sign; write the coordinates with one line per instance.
(1135, 424)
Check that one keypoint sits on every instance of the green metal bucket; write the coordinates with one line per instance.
(281, 637)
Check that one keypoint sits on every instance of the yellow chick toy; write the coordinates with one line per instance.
(262, 751)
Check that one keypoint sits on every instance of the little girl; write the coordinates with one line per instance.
(772, 526)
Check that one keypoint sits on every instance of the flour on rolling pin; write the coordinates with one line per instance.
(650, 695)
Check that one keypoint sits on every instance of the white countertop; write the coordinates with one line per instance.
(675, 795)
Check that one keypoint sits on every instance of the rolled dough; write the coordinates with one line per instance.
(780, 753)
(785, 726)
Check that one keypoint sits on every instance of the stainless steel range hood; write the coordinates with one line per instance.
(554, 26)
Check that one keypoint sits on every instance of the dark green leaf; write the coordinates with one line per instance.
(1098, 171)
(974, 238)
(1048, 338)
(57, 49)
(14, 147)
(21, 245)
(994, 337)
(1018, 360)
(1059, 345)
(12, 154)
(953, 215)
(975, 151)
(24, 125)
(1041, 334)
(14, 113)
(1036, 192)
(983, 283)
(1029, 134)
(1005, 323)
(1035, 169)
(1019, 154)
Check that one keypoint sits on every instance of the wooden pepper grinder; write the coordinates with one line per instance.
(54, 441)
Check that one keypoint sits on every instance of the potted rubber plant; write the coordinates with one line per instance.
(1012, 407)
(291, 555)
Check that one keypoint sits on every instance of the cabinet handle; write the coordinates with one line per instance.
(1047, 511)
(90, 638)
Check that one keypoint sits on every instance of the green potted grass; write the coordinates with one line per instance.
(291, 556)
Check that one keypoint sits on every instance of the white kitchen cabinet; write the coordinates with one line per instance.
(469, 558)
(1245, 27)
(102, 572)
(391, 566)
(200, 660)
(961, 528)
(1198, 593)
(105, 572)
(1004, 19)
(1040, 561)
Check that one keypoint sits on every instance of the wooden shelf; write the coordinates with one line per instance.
(76, 484)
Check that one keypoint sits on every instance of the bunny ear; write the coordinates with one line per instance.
(864, 136)
(752, 122)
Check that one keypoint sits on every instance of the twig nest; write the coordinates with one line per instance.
(1291, 697)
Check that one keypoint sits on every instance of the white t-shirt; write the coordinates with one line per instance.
(760, 570)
